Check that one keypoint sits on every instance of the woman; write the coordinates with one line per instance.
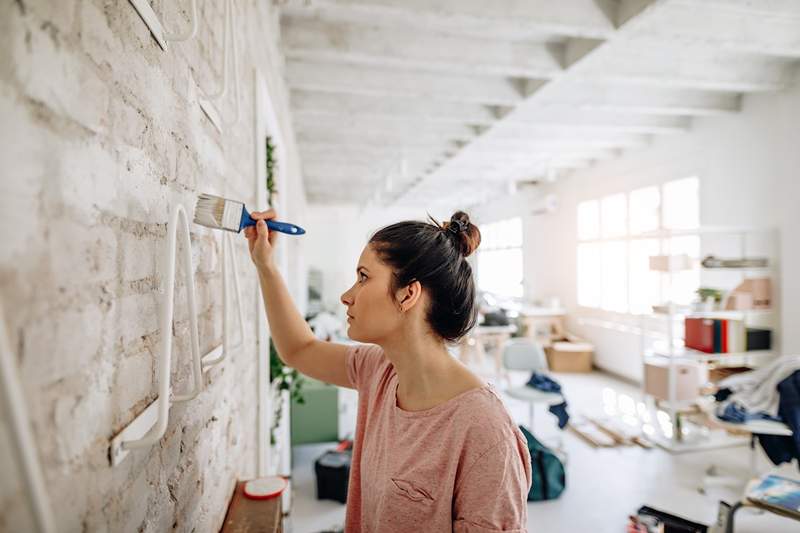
(435, 449)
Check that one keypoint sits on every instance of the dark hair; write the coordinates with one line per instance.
(435, 255)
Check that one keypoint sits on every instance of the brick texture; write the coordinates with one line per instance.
(101, 135)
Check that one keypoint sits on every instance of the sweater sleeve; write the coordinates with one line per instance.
(492, 496)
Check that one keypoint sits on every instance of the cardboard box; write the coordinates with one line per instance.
(752, 293)
(690, 377)
(569, 354)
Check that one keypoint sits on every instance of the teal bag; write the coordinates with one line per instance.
(547, 470)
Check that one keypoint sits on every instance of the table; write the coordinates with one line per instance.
(543, 323)
(495, 335)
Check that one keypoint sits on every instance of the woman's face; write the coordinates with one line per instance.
(372, 313)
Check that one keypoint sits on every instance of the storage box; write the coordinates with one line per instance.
(670, 263)
(689, 378)
(569, 354)
(752, 293)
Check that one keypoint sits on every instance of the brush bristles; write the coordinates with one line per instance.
(210, 212)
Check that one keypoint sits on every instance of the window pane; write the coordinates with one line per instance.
(682, 204)
(615, 276)
(500, 271)
(644, 204)
(503, 234)
(589, 274)
(685, 282)
(644, 284)
(588, 220)
(614, 216)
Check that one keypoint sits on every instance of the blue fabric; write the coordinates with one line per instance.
(545, 384)
(735, 413)
(780, 448)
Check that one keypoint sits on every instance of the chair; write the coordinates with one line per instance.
(527, 355)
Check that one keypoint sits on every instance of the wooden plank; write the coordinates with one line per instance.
(585, 429)
(246, 515)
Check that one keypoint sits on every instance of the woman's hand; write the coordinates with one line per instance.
(260, 240)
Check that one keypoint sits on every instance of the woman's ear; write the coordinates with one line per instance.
(409, 295)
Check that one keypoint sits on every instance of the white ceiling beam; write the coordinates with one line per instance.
(704, 25)
(673, 66)
(367, 159)
(398, 126)
(574, 136)
(533, 119)
(374, 81)
(784, 8)
(306, 103)
(626, 98)
(393, 152)
(537, 155)
(316, 40)
(360, 138)
(515, 20)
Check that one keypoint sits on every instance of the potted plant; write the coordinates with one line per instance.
(709, 297)
(271, 172)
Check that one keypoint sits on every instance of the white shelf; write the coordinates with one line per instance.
(729, 313)
(753, 358)
(766, 269)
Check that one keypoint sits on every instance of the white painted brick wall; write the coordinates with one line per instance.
(100, 135)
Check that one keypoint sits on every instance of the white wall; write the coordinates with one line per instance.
(101, 135)
(749, 169)
(337, 235)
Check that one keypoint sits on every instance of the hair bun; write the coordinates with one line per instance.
(468, 235)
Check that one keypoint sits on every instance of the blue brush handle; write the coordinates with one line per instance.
(274, 225)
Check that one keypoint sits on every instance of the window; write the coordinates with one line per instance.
(500, 258)
(618, 233)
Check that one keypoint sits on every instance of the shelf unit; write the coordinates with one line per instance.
(675, 354)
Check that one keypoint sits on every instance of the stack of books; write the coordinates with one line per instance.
(724, 335)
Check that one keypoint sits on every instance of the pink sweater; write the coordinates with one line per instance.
(460, 466)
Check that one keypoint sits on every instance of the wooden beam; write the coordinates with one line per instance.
(306, 103)
(313, 39)
(374, 81)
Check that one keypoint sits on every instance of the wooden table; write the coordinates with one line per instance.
(495, 335)
(253, 516)
(551, 320)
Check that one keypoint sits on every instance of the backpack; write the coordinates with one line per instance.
(547, 470)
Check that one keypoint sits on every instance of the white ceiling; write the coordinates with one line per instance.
(447, 102)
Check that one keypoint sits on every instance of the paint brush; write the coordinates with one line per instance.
(230, 215)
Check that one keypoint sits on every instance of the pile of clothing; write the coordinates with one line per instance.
(543, 383)
(769, 393)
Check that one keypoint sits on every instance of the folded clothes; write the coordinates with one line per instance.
(545, 384)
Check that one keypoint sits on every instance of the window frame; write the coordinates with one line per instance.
(661, 234)
(488, 247)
